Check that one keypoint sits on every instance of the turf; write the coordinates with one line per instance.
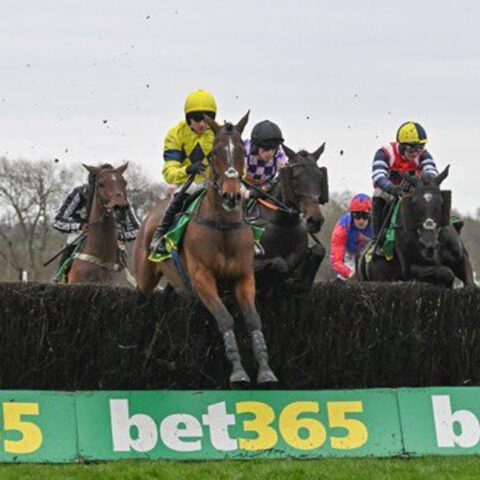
(404, 469)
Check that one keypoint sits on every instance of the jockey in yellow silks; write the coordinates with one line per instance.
(187, 147)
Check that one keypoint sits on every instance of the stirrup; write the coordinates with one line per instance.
(158, 246)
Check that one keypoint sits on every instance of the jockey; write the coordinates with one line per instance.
(408, 155)
(264, 156)
(187, 146)
(72, 216)
(350, 235)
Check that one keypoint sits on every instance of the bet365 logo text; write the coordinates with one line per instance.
(297, 425)
(20, 434)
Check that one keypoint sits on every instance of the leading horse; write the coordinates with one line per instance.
(217, 252)
(427, 246)
(98, 259)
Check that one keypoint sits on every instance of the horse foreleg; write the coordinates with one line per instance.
(245, 295)
(205, 286)
(438, 275)
(307, 269)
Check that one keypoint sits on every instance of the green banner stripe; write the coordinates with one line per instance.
(39, 426)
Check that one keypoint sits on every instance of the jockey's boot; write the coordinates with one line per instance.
(377, 216)
(158, 245)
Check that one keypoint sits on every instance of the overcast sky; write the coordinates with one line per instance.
(344, 72)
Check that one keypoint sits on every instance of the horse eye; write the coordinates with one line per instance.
(101, 184)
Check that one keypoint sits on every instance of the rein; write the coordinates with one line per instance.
(275, 204)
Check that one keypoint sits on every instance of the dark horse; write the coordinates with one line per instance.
(98, 259)
(217, 252)
(302, 185)
(427, 246)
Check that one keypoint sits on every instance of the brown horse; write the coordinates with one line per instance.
(217, 252)
(98, 259)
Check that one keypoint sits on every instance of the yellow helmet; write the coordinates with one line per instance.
(411, 132)
(200, 101)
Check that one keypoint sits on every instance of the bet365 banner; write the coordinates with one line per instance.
(67, 427)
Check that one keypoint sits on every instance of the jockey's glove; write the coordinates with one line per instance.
(396, 191)
(197, 167)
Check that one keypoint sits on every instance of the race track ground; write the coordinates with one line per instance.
(404, 469)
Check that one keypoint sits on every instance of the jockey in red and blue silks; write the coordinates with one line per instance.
(350, 235)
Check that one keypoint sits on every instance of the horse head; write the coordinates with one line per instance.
(227, 161)
(305, 185)
(110, 189)
(425, 210)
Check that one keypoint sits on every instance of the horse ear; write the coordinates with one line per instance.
(442, 176)
(122, 168)
(316, 154)
(212, 124)
(240, 126)
(409, 178)
(290, 153)
(93, 170)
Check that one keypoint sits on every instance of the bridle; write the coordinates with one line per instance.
(106, 212)
(298, 196)
(230, 173)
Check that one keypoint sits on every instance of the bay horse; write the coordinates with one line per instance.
(217, 252)
(301, 185)
(427, 246)
(97, 261)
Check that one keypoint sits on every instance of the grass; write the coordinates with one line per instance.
(404, 469)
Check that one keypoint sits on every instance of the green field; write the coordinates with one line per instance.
(404, 469)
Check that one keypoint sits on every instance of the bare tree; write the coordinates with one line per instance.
(29, 193)
(143, 193)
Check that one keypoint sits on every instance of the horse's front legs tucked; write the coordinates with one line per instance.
(307, 269)
(437, 274)
(245, 295)
(205, 286)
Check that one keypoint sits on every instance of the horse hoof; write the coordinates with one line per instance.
(266, 379)
(239, 380)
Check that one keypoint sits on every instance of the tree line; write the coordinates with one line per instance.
(31, 192)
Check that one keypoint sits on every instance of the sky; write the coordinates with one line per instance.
(103, 81)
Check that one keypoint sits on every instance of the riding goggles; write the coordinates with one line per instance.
(199, 116)
(413, 147)
(361, 215)
(269, 145)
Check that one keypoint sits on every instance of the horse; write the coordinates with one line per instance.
(427, 246)
(216, 253)
(97, 261)
(301, 186)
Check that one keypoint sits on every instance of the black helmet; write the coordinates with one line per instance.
(266, 134)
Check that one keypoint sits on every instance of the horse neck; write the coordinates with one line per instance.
(102, 234)
(279, 217)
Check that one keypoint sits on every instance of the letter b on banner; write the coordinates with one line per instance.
(445, 421)
(122, 423)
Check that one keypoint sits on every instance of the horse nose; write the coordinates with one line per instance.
(313, 225)
(231, 200)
